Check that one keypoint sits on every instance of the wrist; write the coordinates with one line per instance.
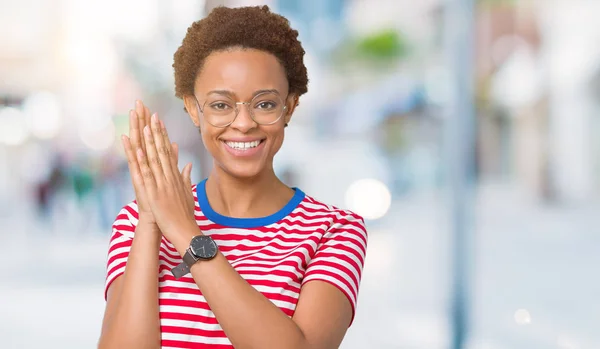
(149, 233)
(145, 221)
(147, 227)
(182, 236)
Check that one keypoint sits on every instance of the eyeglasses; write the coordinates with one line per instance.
(220, 111)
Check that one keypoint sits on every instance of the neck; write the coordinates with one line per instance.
(259, 196)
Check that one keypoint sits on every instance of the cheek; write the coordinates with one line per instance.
(209, 138)
(277, 141)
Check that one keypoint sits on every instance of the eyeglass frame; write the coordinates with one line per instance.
(201, 110)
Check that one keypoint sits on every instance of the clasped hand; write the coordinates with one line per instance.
(163, 194)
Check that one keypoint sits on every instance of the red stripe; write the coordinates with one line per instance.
(190, 345)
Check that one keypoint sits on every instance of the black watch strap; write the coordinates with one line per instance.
(184, 268)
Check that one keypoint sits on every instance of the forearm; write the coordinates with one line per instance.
(135, 320)
(248, 318)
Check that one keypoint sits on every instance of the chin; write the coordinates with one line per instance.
(243, 171)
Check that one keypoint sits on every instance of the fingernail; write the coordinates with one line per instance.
(138, 103)
(147, 130)
(154, 117)
(162, 124)
(140, 153)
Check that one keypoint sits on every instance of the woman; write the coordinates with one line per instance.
(241, 260)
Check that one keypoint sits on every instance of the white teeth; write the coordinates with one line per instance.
(242, 145)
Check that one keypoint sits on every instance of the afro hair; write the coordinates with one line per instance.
(246, 27)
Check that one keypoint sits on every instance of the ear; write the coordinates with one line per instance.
(291, 104)
(191, 106)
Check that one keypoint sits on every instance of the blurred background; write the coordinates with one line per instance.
(377, 133)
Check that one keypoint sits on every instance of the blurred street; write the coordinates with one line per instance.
(389, 127)
(541, 260)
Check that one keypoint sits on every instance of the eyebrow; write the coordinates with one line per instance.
(231, 93)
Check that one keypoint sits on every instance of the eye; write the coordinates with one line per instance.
(220, 106)
(266, 105)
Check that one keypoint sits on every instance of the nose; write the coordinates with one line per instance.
(243, 121)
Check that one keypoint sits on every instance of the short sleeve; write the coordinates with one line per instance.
(340, 256)
(120, 243)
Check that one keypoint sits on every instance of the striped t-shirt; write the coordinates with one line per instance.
(306, 240)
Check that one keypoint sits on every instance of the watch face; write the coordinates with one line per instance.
(203, 247)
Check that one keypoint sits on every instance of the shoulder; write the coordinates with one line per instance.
(341, 219)
(126, 220)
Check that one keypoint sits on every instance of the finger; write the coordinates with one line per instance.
(147, 115)
(163, 147)
(134, 169)
(152, 158)
(134, 130)
(146, 171)
(141, 122)
(175, 157)
(186, 173)
(174, 149)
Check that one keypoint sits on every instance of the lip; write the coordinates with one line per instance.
(244, 153)
(242, 139)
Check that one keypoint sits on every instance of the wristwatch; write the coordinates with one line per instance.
(202, 248)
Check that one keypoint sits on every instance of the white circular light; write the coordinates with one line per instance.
(43, 114)
(522, 317)
(369, 198)
(98, 138)
(13, 130)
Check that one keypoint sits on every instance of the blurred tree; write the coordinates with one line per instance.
(377, 49)
(387, 44)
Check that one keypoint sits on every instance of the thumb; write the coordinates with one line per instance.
(187, 174)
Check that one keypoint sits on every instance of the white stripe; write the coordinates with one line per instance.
(261, 268)
(182, 296)
(279, 238)
(178, 283)
(281, 254)
(274, 264)
(195, 339)
(191, 324)
(186, 310)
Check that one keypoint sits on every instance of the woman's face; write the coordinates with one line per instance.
(244, 148)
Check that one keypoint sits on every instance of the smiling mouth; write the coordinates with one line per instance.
(243, 145)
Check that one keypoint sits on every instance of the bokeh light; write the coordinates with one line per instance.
(369, 198)
(522, 317)
(43, 114)
(14, 130)
(98, 138)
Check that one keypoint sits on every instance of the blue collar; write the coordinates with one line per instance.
(245, 222)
